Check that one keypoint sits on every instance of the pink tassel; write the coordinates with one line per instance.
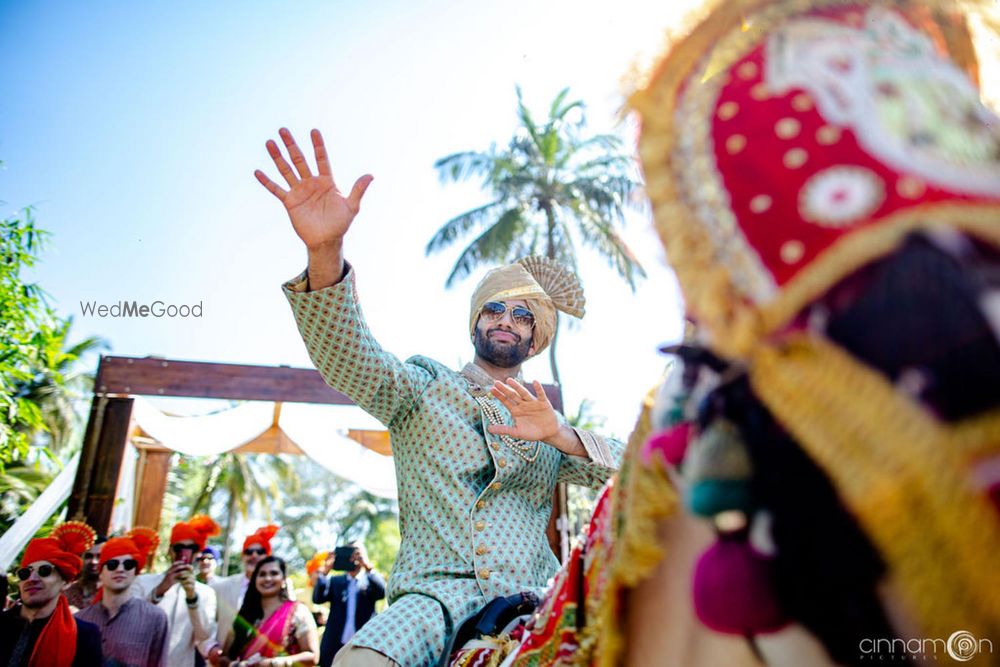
(733, 592)
(669, 444)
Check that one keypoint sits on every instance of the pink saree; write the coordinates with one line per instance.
(271, 638)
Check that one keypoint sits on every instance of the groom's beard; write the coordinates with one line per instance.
(501, 354)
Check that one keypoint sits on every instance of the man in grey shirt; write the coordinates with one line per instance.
(133, 631)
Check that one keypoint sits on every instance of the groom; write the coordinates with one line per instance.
(477, 454)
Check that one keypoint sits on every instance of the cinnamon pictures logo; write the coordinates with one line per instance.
(136, 309)
(960, 646)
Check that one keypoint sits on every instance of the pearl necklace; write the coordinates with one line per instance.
(493, 415)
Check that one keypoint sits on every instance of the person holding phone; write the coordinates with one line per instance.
(189, 604)
(352, 597)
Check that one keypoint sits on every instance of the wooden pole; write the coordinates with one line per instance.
(75, 509)
(96, 484)
(151, 484)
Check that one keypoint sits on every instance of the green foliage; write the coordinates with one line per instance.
(25, 320)
(383, 543)
(41, 382)
(20, 484)
(329, 511)
(308, 514)
(59, 388)
(316, 510)
(225, 487)
(585, 418)
(550, 185)
(363, 514)
(579, 499)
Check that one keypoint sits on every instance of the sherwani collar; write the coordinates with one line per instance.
(480, 382)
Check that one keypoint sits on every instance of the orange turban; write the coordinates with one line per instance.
(197, 530)
(62, 548)
(316, 561)
(140, 543)
(261, 536)
(56, 645)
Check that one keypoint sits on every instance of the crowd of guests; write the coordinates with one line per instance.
(86, 600)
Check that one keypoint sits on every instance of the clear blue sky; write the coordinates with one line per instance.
(134, 129)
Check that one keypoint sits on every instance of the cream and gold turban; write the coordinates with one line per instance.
(544, 284)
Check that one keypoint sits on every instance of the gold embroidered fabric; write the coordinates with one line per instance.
(904, 475)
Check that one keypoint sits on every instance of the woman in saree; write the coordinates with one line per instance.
(270, 630)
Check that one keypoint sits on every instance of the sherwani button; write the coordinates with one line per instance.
(480, 525)
(481, 550)
(481, 505)
(495, 486)
(502, 463)
(484, 573)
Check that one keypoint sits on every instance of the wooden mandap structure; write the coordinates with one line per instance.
(110, 427)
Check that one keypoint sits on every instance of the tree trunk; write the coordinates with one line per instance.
(550, 252)
(228, 534)
(552, 355)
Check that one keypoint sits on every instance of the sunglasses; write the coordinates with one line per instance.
(43, 571)
(254, 551)
(494, 310)
(200, 559)
(181, 548)
(128, 564)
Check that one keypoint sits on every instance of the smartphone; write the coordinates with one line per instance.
(186, 556)
(343, 558)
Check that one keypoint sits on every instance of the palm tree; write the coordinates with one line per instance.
(20, 485)
(552, 187)
(53, 386)
(364, 512)
(244, 481)
(327, 510)
(58, 383)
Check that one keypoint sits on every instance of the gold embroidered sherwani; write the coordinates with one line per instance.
(472, 510)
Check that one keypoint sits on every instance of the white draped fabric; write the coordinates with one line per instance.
(124, 507)
(320, 431)
(44, 506)
(205, 435)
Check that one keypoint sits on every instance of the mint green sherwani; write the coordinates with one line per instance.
(472, 510)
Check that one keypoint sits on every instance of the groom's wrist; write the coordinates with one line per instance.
(566, 441)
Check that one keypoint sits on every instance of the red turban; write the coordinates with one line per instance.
(262, 537)
(62, 548)
(197, 530)
(130, 545)
(56, 645)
